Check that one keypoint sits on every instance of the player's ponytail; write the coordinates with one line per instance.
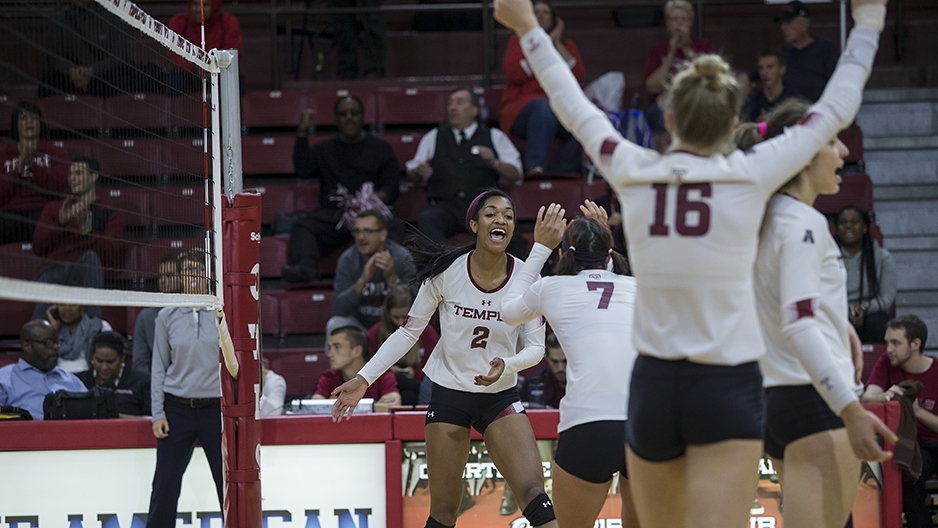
(587, 244)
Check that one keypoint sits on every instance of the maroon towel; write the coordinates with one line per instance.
(907, 454)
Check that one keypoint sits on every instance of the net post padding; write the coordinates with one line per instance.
(241, 225)
(153, 28)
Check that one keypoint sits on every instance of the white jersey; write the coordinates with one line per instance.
(800, 285)
(472, 332)
(591, 315)
(691, 222)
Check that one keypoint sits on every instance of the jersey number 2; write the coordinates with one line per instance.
(685, 206)
(481, 333)
(606, 288)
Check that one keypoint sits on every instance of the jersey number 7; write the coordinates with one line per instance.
(685, 206)
(606, 288)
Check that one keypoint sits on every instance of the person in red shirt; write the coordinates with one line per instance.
(78, 234)
(668, 57)
(348, 352)
(222, 31)
(33, 172)
(525, 112)
(904, 360)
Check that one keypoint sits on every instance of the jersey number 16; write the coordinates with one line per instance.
(685, 206)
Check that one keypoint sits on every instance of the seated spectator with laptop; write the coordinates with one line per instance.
(348, 352)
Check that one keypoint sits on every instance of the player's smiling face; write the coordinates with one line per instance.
(495, 224)
(822, 171)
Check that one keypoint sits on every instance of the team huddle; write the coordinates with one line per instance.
(732, 337)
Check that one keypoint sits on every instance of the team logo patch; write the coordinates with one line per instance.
(808, 236)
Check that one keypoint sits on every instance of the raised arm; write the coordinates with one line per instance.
(522, 301)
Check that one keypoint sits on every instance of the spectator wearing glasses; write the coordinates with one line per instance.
(26, 383)
(366, 272)
(356, 172)
(167, 282)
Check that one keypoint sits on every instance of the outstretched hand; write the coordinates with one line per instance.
(591, 210)
(516, 15)
(498, 367)
(550, 225)
(869, 13)
(862, 428)
(347, 397)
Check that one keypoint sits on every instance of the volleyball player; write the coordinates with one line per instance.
(692, 216)
(473, 367)
(590, 311)
(801, 297)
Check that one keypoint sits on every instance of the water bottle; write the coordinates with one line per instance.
(536, 394)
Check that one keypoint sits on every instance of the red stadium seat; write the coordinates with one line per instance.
(877, 235)
(132, 157)
(73, 112)
(270, 314)
(531, 195)
(275, 199)
(852, 137)
(144, 255)
(116, 316)
(188, 111)
(140, 110)
(306, 196)
(172, 205)
(273, 256)
(79, 147)
(7, 103)
(871, 352)
(17, 261)
(855, 190)
(304, 311)
(323, 101)
(132, 313)
(301, 367)
(13, 315)
(404, 145)
(185, 156)
(412, 106)
(411, 201)
(490, 99)
(133, 201)
(329, 262)
(10, 358)
(267, 154)
(277, 108)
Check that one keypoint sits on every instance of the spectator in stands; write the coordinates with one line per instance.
(273, 391)
(131, 388)
(871, 275)
(33, 173)
(348, 352)
(409, 369)
(810, 60)
(76, 330)
(78, 234)
(185, 392)
(525, 112)
(904, 360)
(365, 273)
(356, 172)
(26, 383)
(668, 57)
(458, 160)
(167, 282)
(88, 52)
(774, 91)
(222, 31)
(347, 30)
(552, 379)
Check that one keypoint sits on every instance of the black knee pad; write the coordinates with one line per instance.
(539, 511)
(433, 523)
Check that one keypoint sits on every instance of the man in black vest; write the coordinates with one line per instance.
(458, 160)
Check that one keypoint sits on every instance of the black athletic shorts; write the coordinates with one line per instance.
(478, 409)
(793, 412)
(593, 451)
(673, 404)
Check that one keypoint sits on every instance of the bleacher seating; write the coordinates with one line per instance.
(412, 105)
(268, 154)
(404, 145)
(178, 205)
(855, 190)
(871, 352)
(852, 137)
(139, 110)
(276, 108)
(323, 101)
(411, 200)
(74, 112)
(133, 201)
(273, 256)
(301, 367)
(13, 315)
(131, 157)
(531, 195)
(7, 103)
(304, 311)
(275, 199)
(17, 261)
(270, 314)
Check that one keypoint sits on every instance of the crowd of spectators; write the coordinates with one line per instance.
(52, 201)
